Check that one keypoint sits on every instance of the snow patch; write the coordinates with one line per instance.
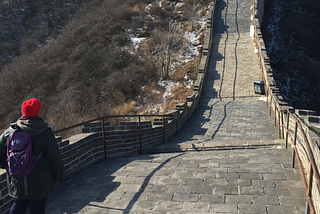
(137, 108)
(190, 50)
(263, 99)
(252, 33)
(136, 41)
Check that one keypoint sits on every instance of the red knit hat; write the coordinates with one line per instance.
(31, 107)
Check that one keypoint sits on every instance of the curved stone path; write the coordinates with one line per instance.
(230, 178)
(229, 110)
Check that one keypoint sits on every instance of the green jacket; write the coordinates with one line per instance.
(41, 182)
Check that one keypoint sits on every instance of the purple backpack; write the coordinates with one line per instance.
(20, 158)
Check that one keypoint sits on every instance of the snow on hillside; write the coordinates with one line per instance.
(188, 52)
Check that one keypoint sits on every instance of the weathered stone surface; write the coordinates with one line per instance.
(281, 209)
(250, 190)
(185, 197)
(252, 208)
(292, 200)
(160, 192)
(238, 199)
(223, 208)
(259, 199)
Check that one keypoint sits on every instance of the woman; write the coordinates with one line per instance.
(33, 189)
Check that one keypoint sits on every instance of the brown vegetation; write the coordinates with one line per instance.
(90, 69)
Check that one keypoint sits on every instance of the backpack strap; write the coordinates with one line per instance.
(25, 185)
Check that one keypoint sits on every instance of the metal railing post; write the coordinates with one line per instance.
(194, 101)
(288, 120)
(177, 121)
(104, 139)
(270, 107)
(279, 119)
(163, 135)
(294, 145)
(309, 188)
(140, 138)
(282, 124)
(275, 114)
(307, 207)
(187, 112)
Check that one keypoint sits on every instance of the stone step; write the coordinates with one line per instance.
(212, 145)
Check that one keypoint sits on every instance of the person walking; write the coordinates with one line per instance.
(33, 189)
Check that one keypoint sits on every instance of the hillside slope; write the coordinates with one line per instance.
(104, 57)
(291, 31)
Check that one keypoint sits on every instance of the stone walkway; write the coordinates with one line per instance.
(257, 181)
(227, 159)
(229, 110)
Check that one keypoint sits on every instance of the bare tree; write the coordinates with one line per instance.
(192, 8)
(167, 39)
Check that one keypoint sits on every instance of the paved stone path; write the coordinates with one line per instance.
(257, 181)
(234, 163)
(229, 109)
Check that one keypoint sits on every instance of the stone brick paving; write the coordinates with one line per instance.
(238, 181)
(229, 160)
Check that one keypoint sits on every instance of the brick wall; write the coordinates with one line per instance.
(83, 149)
(5, 201)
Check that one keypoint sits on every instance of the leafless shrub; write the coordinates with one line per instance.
(164, 42)
(87, 71)
(80, 74)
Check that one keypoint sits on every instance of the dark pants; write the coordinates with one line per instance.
(37, 206)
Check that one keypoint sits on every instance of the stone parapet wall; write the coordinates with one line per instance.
(6, 200)
(304, 124)
(82, 150)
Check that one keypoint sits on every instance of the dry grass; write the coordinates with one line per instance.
(178, 95)
(190, 69)
(89, 71)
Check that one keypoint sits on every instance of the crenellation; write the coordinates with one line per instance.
(314, 125)
(58, 139)
(313, 119)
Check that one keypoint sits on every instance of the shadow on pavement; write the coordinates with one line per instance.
(88, 191)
